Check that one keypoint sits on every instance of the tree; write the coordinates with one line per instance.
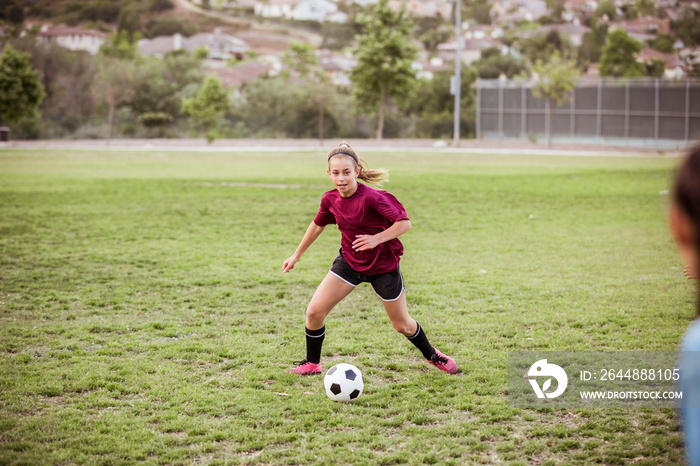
(302, 65)
(160, 84)
(113, 84)
(606, 8)
(655, 68)
(116, 71)
(120, 46)
(592, 44)
(21, 91)
(385, 52)
(646, 7)
(687, 26)
(618, 56)
(493, 64)
(542, 46)
(208, 106)
(480, 11)
(662, 42)
(554, 81)
(300, 58)
(15, 15)
(65, 75)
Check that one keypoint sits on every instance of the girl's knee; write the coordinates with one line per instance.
(405, 327)
(315, 313)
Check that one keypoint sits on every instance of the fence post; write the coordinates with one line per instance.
(547, 119)
(599, 122)
(572, 115)
(500, 108)
(656, 110)
(627, 109)
(523, 111)
(478, 109)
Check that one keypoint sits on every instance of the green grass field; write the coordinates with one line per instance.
(144, 316)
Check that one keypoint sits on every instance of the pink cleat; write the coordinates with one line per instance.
(305, 368)
(444, 363)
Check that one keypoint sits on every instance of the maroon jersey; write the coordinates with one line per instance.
(367, 212)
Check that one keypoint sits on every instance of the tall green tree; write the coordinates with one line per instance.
(65, 76)
(646, 7)
(161, 83)
(21, 91)
(541, 46)
(300, 58)
(479, 11)
(304, 72)
(384, 52)
(592, 43)
(687, 26)
(606, 8)
(492, 64)
(113, 85)
(114, 80)
(120, 45)
(618, 57)
(554, 81)
(208, 106)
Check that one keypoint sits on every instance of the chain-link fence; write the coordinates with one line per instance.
(661, 113)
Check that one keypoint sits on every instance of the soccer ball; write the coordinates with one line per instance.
(343, 382)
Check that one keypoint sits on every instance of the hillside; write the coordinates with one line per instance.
(153, 18)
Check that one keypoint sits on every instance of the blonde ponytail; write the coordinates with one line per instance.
(374, 177)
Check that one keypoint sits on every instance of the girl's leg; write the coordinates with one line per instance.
(330, 292)
(405, 324)
(398, 315)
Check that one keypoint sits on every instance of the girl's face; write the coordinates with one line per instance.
(343, 175)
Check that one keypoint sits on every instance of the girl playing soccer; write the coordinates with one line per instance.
(370, 221)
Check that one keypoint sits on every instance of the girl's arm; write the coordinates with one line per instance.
(310, 236)
(364, 242)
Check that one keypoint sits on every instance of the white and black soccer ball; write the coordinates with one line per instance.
(343, 382)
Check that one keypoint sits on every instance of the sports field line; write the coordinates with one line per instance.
(383, 148)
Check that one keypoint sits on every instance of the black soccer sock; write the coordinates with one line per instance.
(421, 341)
(314, 342)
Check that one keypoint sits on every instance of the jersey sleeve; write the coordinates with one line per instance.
(390, 208)
(324, 216)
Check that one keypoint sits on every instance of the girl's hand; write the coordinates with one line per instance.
(364, 242)
(289, 264)
(688, 271)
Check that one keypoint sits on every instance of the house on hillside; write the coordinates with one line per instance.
(275, 8)
(512, 11)
(470, 49)
(426, 69)
(219, 45)
(425, 8)
(73, 38)
(674, 65)
(317, 10)
(574, 32)
(644, 27)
